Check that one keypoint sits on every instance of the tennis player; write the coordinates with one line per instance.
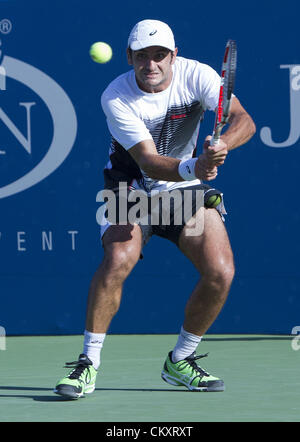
(153, 114)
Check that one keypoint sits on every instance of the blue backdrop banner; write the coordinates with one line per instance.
(54, 144)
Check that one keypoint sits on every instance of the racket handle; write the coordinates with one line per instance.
(215, 139)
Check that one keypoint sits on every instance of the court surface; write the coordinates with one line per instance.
(261, 374)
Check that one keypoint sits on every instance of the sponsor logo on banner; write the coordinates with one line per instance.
(38, 123)
(294, 82)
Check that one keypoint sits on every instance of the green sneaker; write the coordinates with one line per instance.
(189, 374)
(81, 380)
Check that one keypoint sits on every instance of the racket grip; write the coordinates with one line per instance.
(215, 139)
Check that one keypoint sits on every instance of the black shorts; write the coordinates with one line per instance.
(170, 218)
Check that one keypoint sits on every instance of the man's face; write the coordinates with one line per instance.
(152, 67)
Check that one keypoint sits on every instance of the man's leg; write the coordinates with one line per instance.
(211, 254)
(122, 248)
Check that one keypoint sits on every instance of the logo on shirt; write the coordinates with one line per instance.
(178, 117)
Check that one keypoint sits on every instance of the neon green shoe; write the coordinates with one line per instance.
(80, 381)
(187, 373)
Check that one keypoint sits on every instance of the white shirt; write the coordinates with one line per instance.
(170, 118)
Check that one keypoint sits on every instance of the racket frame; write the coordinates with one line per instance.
(226, 90)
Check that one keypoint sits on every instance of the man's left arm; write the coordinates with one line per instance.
(241, 129)
(241, 126)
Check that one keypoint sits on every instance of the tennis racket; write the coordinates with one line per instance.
(226, 89)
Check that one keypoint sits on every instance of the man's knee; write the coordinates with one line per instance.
(120, 260)
(221, 274)
(122, 248)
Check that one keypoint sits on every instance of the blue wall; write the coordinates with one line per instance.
(44, 289)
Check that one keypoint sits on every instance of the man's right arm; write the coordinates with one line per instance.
(164, 168)
(125, 126)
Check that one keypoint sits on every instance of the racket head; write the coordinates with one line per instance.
(226, 89)
(229, 69)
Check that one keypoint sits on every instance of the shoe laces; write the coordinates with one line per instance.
(79, 367)
(191, 360)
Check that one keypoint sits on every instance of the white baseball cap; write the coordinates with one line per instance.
(151, 33)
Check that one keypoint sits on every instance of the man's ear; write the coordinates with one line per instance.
(174, 55)
(129, 56)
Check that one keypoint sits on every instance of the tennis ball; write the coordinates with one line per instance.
(213, 201)
(100, 52)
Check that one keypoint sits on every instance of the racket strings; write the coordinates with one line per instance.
(231, 68)
(226, 89)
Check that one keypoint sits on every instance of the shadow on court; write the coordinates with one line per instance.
(251, 338)
(56, 398)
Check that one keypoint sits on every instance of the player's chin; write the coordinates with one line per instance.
(152, 79)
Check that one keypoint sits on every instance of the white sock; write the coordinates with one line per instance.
(185, 346)
(93, 343)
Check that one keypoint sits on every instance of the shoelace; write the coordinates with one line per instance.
(191, 361)
(79, 367)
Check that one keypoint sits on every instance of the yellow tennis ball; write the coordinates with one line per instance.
(213, 201)
(100, 52)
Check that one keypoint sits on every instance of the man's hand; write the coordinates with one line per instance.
(215, 155)
(212, 157)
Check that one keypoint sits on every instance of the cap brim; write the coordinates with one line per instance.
(137, 45)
